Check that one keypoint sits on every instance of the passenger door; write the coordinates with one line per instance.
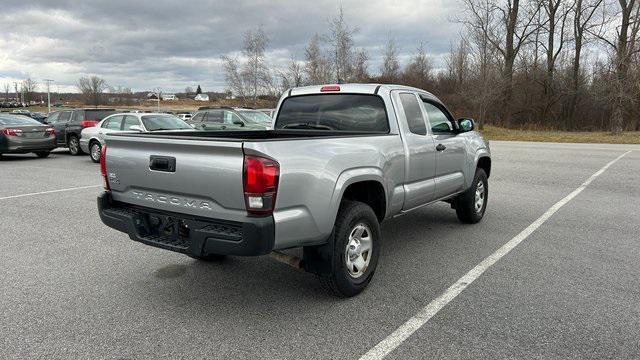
(61, 127)
(420, 149)
(450, 157)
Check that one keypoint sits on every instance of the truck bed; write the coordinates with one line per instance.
(249, 135)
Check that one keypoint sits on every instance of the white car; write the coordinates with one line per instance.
(185, 116)
(93, 138)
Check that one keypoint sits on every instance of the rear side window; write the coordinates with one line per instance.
(413, 114)
(113, 123)
(338, 112)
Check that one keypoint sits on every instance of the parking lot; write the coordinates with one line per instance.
(71, 287)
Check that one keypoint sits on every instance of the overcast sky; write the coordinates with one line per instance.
(174, 44)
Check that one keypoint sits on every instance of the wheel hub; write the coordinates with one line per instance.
(479, 197)
(358, 250)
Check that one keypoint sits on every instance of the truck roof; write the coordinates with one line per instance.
(356, 89)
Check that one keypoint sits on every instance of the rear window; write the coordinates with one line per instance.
(339, 112)
(17, 120)
(97, 114)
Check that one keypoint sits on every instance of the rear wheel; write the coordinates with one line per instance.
(42, 154)
(471, 205)
(74, 145)
(355, 244)
(95, 150)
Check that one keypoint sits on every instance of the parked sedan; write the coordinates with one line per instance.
(256, 116)
(223, 118)
(21, 135)
(92, 138)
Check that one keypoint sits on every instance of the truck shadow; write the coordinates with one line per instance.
(260, 283)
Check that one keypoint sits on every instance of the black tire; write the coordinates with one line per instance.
(465, 203)
(209, 258)
(93, 153)
(42, 154)
(73, 143)
(339, 280)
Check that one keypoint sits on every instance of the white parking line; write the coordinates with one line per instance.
(49, 192)
(401, 334)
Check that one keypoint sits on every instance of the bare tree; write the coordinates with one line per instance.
(507, 26)
(419, 71)
(188, 90)
(340, 38)
(361, 66)
(233, 77)
(317, 67)
(7, 87)
(390, 63)
(29, 87)
(624, 46)
(92, 88)
(255, 70)
(583, 22)
(292, 76)
(458, 62)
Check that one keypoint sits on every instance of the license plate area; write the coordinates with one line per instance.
(163, 229)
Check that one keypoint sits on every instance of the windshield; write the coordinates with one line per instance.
(256, 116)
(338, 112)
(17, 120)
(163, 122)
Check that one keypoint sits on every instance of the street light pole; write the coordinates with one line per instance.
(48, 81)
(158, 96)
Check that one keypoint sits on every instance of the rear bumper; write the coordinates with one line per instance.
(21, 146)
(187, 234)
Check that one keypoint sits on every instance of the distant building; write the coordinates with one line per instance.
(201, 97)
(168, 97)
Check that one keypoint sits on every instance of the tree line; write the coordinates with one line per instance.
(550, 64)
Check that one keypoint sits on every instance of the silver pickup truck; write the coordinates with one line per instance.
(339, 161)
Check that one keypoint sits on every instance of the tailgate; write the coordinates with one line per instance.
(197, 177)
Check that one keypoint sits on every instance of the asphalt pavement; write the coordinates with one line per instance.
(73, 288)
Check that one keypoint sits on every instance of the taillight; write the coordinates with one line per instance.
(12, 132)
(88, 123)
(330, 88)
(103, 168)
(50, 131)
(260, 184)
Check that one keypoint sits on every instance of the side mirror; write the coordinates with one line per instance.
(239, 123)
(466, 125)
(135, 128)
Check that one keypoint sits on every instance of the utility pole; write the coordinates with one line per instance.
(158, 96)
(48, 81)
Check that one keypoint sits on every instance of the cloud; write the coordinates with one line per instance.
(173, 44)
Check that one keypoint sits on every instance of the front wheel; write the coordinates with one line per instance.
(95, 150)
(355, 250)
(471, 205)
(74, 145)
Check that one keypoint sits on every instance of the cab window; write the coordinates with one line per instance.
(438, 120)
(413, 114)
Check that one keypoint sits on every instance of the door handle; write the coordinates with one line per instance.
(440, 147)
(162, 163)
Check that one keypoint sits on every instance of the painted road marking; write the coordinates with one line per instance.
(49, 192)
(391, 342)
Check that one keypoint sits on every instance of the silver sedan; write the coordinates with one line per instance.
(93, 138)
